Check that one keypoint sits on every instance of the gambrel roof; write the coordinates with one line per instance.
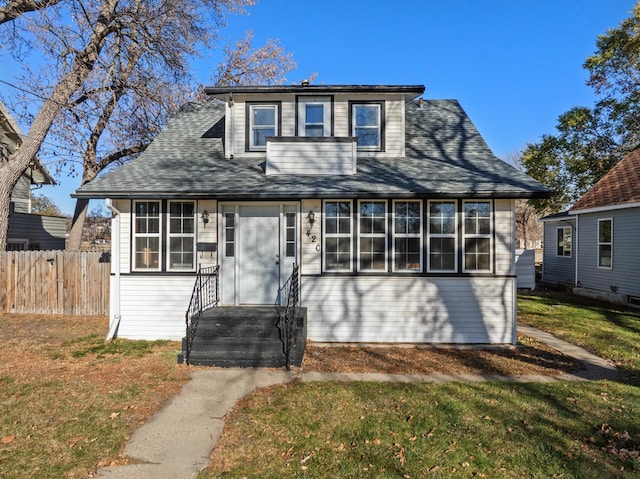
(619, 187)
(445, 157)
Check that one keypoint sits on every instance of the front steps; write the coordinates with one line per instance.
(244, 337)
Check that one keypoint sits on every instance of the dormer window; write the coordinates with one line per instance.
(314, 116)
(263, 122)
(367, 125)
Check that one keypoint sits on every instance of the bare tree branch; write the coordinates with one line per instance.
(15, 8)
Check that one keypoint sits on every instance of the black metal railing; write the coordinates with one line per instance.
(204, 296)
(286, 304)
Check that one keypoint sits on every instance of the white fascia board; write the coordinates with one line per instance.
(600, 209)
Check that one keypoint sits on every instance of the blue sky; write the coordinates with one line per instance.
(513, 65)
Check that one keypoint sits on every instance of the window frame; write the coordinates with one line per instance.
(249, 126)
(384, 235)
(326, 236)
(171, 235)
(395, 235)
(380, 104)
(135, 235)
(327, 116)
(453, 236)
(605, 243)
(466, 235)
(560, 245)
(22, 243)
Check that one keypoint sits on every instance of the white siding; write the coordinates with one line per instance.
(394, 119)
(124, 206)
(311, 157)
(504, 234)
(412, 310)
(526, 268)
(311, 243)
(154, 307)
(207, 233)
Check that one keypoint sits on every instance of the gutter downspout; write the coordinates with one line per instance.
(115, 254)
(575, 252)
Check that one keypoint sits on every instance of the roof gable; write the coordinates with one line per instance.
(620, 186)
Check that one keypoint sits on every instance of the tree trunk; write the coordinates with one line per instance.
(74, 240)
(8, 178)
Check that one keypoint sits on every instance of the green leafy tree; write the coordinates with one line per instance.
(590, 141)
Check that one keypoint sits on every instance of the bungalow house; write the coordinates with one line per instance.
(397, 215)
(28, 231)
(595, 238)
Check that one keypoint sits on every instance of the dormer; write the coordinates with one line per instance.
(315, 129)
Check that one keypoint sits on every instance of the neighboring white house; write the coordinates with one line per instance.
(596, 238)
(397, 212)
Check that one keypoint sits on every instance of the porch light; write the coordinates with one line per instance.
(312, 219)
(205, 218)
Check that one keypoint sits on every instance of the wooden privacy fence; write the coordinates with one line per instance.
(54, 282)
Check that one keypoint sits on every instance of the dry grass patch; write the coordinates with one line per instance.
(69, 401)
(529, 357)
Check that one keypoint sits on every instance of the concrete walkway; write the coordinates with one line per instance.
(177, 441)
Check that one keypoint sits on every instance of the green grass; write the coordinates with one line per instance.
(353, 430)
(610, 331)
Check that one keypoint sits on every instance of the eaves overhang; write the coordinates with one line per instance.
(409, 91)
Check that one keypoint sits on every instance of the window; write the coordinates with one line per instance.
(367, 125)
(442, 236)
(477, 236)
(337, 238)
(263, 122)
(372, 244)
(146, 235)
(17, 244)
(314, 116)
(564, 241)
(182, 235)
(229, 234)
(605, 243)
(407, 236)
(290, 235)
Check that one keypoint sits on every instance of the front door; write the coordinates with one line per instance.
(258, 254)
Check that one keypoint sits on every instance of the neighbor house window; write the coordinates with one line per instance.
(442, 230)
(372, 236)
(17, 244)
(146, 235)
(605, 243)
(181, 235)
(337, 237)
(407, 236)
(564, 241)
(263, 122)
(367, 125)
(314, 116)
(477, 236)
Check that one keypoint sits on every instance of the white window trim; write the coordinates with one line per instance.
(610, 243)
(406, 235)
(384, 235)
(489, 236)
(326, 235)
(325, 101)
(378, 105)
(442, 235)
(563, 228)
(180, 235)
(135, 235)
(251, 106)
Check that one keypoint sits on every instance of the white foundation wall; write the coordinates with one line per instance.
(154, 307)
(410, 309)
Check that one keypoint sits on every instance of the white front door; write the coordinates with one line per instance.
(258, 254)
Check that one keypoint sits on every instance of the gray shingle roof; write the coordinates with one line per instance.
(445, 156)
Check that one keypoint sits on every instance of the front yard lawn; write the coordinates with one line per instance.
(353, 430)
(68, 401)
